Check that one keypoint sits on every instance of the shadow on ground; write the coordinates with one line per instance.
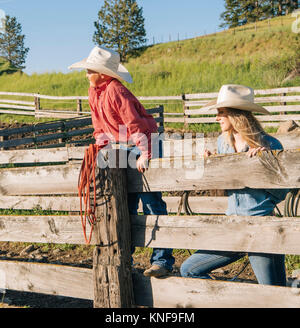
(15, 299)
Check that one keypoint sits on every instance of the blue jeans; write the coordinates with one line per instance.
(153, 204)
(269, 269)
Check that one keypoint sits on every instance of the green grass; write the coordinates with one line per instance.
(260, 58)
(6, 67)
(292, 262)
(54, 84)
(33, 212)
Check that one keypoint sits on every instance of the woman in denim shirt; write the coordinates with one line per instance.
(241, 132)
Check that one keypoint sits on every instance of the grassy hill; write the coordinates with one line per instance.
(262, 55)
(6, 67)
(261, 58)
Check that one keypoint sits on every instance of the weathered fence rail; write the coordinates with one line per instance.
(68, 281)
(283, 103)
(174, 174)
(55, 187)
(74, 105)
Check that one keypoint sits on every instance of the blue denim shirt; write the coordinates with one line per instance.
(248, 201)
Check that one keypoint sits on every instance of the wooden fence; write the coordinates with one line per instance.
(74, 132)
(52, 184)
(283, 104)
(16, 106)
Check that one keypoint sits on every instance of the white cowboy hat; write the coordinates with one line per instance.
(236, 96)
(105, 61)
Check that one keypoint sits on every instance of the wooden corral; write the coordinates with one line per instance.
(52, 184)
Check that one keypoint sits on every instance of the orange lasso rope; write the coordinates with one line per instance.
(87, 177)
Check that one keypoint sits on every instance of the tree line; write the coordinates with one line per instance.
(241, 12)
(12, 45)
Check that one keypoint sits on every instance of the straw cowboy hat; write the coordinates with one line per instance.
(236, 96)
(105, 61)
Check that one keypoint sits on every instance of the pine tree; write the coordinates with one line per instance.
(288, 6)
(246, 11)
(120, 26)
(281, 7)
(232, 15)
(253, 11)
(12, 46)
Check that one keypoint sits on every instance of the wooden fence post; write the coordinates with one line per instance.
(111, 260)
(161, 115)
(62, 140)
(37, 105)
(184, 108)
(79, 107)
(283, 103)
(2, 139)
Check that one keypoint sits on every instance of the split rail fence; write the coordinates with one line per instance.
(283, 104)
(16, 105)
(52, 184)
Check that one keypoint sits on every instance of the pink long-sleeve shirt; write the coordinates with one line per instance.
(118, 116)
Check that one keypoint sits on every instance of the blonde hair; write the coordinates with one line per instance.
(247, 126)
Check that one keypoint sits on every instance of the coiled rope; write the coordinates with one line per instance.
(87, 177)
(291, 203)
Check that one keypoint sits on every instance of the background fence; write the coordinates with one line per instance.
(261, 25)
(282, 103)
(74, 132)
(42, 105)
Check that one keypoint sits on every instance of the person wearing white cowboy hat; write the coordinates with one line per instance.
(238, 100)
(241, 132)
(236, 96)
(114, 106)
(105, 61)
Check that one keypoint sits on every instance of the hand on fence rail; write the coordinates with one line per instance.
(208, 153)
(142, 164)
(253, 151)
